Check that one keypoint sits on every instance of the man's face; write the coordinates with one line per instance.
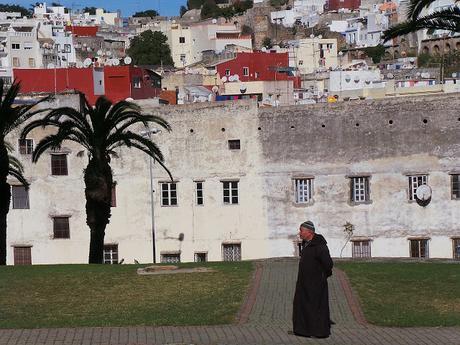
(306, 234)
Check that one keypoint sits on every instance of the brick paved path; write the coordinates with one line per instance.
(267, 323)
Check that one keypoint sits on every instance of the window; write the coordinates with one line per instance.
(227, 72)
(61, 227)
(169, 194)
(455, 178)
(28, 45)
(234, 144)
(361, 249)
(245, 71)
(26, 146)
(230, 192)
(231, 252)
(111, 254)
(303, 190)
(31, 62)
(181, 39)
(419, 248)
(170, 258)
(182, 58)
(16, 62)
(359, 189)
(22, 256)
(300, 62)
(67, 48)
(199, 193)
(113, 200)
(257, 74)
(456, 247)
(20, 196)
(414, 182)
(137, 82)
(59, 164)
(15, 46)
(201, 257)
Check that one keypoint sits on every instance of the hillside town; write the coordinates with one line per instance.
(280, 110)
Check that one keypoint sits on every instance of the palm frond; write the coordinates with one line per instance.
(447, 19)
(415, 7)
(15, 163)
(52, 141)
(19, 176)
(129, 138)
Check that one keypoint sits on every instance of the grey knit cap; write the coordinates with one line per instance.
(308, 225)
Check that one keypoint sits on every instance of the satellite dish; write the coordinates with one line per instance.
(243, 88)
(264, 49)
(127, 60)
(79, 64)
(87, 62)
(347, 78)
(231, 78)
(454, 75)
(214, 21)
(356, 79)
(390, 76)
(115, 62)
(108, 62)
(236, 77)
(109, 53)
(224, 79)
(215, 89)
(50, 65)
(99, 52)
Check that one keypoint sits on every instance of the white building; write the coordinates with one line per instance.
(304, 12)
(354, 80)
(23, 45)
(243, 182)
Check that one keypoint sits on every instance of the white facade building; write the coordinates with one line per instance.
(304, 12)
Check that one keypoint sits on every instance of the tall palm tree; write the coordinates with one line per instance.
(444, 19)
(100, 130)
(11, 117)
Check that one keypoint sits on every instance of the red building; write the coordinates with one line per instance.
(83, 31)
(257, 66)
(116, 83)
(334, 5)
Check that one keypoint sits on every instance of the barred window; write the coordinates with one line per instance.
(230, 192)
(169, 194)
(201, 256)
(61, 227)
(113, 200)
(361, 249)
(419, 248)
(231, 252)
(414, 182)
(26, 146)
(303, 190)
(20, 196)
(234, 144)
(170, 258)
(59, 164)
(456, 248)
(455, 178)
(22, 256)
(111, 254)
(199, 193)
(359, 189)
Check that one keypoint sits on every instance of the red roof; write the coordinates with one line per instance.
(83, 31)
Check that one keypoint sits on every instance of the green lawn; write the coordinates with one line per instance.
(407, 294)
(114, 295)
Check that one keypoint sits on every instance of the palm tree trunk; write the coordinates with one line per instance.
(5, 197)
(98, 192)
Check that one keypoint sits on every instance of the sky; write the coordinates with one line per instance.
(127, 7)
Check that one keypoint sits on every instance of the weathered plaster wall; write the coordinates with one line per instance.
(333, 141)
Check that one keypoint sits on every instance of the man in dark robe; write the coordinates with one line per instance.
(311, 316)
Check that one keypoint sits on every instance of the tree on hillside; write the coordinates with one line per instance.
(100, 130)
(443, 19)
(194, 4)
(150, 48)
(147, 13)
(16, 8)
(11, 117)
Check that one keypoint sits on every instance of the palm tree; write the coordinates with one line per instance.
(100, 130)
(444, 19)
(11, 117)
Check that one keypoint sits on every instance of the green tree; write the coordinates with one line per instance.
(147, 13)
(182, 11)
(91, 10)
(194, 4)
(11, 117)
(150, 48)
(210, 9)
(16, 8)
(100, 130)
(443, 19)
(267, 42)
(376, 53)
